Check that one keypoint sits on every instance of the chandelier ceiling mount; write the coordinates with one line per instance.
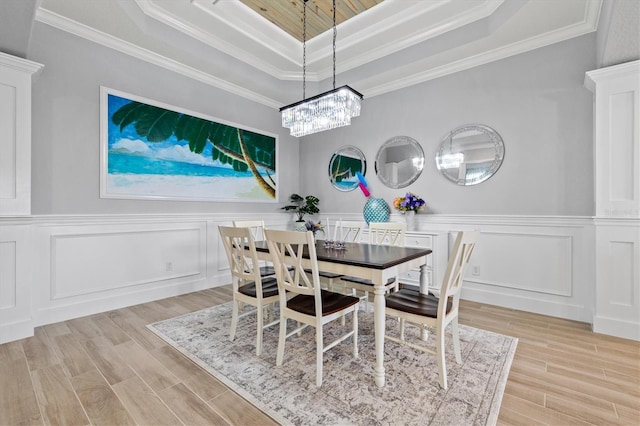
(325, 111)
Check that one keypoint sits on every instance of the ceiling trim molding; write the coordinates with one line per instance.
(319, 48)
(62, 23)
(589, 24)
(211, 40)
(20, 64)
(371, 86)
(464, 18)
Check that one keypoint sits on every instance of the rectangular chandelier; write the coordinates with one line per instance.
(325, 111)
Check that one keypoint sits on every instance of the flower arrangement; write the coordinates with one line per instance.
(314, 227)
(410, 202)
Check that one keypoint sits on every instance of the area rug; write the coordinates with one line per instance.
(348, 395)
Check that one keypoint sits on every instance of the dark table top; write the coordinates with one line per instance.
(362, 254)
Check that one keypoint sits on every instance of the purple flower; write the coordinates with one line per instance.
(410, 202)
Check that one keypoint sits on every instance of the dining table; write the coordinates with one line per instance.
(374, 262)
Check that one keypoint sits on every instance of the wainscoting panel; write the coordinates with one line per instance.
(15, 134)
(8, 284)
(63, 267)
(90, 267)
(535, 264)
(15, 282)
(532, 262)
(89, 263)
(617, 299)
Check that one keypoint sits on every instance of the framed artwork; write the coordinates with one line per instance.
(150, 150)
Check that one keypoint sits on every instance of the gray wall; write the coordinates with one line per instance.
(536, 101)
(66, 131)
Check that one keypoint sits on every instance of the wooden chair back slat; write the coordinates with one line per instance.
(390, 233)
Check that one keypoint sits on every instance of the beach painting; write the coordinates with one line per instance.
(150, 150)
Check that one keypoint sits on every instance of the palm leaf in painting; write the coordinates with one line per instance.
(243, 150)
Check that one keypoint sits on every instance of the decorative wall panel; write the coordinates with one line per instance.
(90, 263)
(515, 261)
(15, 134)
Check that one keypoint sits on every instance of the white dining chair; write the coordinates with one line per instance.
(435, 313)
(389, 233)
(350, 231)
(302, 299)
(248, 285)
(344, 230)
(257, 231)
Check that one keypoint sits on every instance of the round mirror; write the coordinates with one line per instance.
(344, 165)
(399, 161)
(470, 154)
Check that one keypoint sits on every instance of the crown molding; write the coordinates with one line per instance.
(620, 70)
(218, 43)
(392, 20)
(398, 78)
(396, 44)
(60, 22)
(391, 83)
(19, 64)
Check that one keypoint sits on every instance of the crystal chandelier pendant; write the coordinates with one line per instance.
(328, 110)
(325, 111)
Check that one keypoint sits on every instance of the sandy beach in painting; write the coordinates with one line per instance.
(208, 188)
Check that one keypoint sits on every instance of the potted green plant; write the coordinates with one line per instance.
(302, 206)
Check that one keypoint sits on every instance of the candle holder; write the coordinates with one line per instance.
(334, 245)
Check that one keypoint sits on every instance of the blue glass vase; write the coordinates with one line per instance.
(376, 210)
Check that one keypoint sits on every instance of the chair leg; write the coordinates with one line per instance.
(442, 369)
(319, 352)
(281, 339)
(260, 313)
(234, 320)
(456, 339)
(355, 332)
(402, 329)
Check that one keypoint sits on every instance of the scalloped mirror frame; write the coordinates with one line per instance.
(345, 180)
(399, 162)
(472, 142)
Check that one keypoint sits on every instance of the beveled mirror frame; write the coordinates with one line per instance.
(351, 181)
(451, 157)
(413, 159)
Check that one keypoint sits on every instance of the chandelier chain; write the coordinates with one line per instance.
(325, 111)
(335, 35)
(304, 49)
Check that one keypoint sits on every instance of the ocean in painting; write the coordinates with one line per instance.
(140, 176)
(138, 164)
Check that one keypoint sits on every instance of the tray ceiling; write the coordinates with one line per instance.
(382, 45)
(288, 16)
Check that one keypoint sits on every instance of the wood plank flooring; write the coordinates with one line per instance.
(108, 369)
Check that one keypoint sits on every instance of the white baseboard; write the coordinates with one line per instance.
(104, 303)
(528, 304)
(16, 331)
(616, 327)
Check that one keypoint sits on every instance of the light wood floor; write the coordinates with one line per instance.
(109, 369)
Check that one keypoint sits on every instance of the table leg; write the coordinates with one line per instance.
(424, 289)
(424, 281)
(379, 323)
